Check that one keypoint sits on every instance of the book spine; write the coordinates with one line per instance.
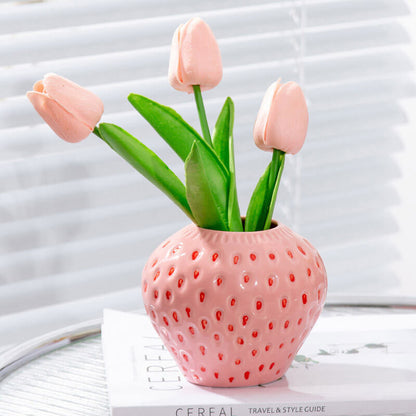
(353, 408)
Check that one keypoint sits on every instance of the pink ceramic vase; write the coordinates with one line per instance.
(234, 308)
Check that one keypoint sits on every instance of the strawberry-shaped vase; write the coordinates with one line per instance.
(234, 308)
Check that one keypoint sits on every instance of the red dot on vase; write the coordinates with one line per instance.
(247, 375)
(253, 256)
(304, 298)
(270, 325)
(180, 283)
(155, 294)
(292, 277)
(201, 297)
(270, 281)
(188, 312)
(219, 281)
(290, 254)
(235, 260)
(254, 334)
(194, 255)
(220, 356)
(245, 319)
(171, 271)
(216, 375)
(237, 362)
(271, 366)
(168, 294)
(246, 278)
(196, 274)
(175, 316)
(230, 328)
(301, 250)
(259, 305)
(157, 274)
(218, 315)
(232, 302)
(272, 256)
(204, 323)
(165, 320)
(254, 353)
(192, 330)
(215, 257)
(202, 349)
(286, 324)
(267, 348)
(231, 379)
(309, 272)
(240, 341)
(284, 302)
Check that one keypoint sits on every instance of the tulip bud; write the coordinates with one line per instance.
(282, 120)
(195, 57)
(70, 110)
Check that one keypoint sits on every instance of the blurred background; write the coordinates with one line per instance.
(77, 223)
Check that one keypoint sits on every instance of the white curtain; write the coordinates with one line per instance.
(77, 223)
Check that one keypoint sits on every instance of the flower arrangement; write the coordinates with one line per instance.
(232, 299)
(209, 195)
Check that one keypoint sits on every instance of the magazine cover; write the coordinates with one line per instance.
(349, 365)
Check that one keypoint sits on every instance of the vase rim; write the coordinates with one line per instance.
(274, 225)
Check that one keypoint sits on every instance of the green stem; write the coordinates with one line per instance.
(202, 115)
(278, 163)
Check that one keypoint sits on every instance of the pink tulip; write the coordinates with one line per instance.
(282, 120)
(195, 57)
(70, 110)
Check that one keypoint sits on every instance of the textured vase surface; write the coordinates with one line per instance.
(233, 308)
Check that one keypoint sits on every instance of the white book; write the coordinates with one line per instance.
(349, 365)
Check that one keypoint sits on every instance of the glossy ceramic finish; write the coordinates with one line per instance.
(234, 308)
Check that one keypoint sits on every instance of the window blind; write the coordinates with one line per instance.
(77, 223)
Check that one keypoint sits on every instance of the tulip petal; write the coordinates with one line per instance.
(64, 124)
(174, 72)
(195, 57)
(199, 55)
(287, 123)
(83, 104)
(263, 116)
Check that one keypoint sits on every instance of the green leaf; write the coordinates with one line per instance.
(258, 207)
(147, 163)
(223, 144)
(177, 133)
(224, 147)
(223, 132)
(206, 189)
